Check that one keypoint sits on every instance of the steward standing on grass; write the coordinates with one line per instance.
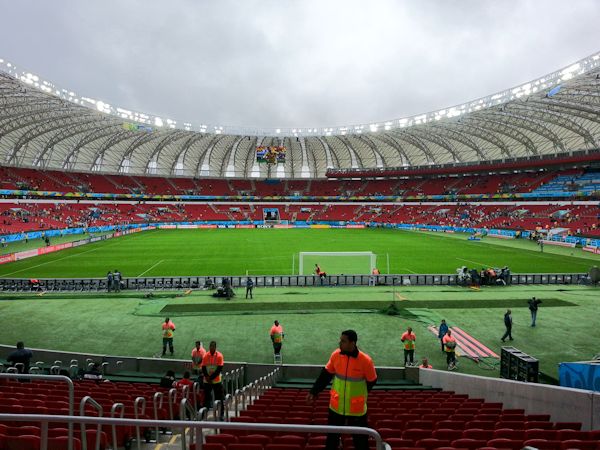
(408, 339)
(533, 308)
(109, 281)
(168, 331)
(442, 333)
(450, 347)
(277, 337)
(249, 287)
(117, 280)
(508, 324)
(353, 374)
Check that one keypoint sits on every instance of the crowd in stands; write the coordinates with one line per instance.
(23, 216)
(523, 182)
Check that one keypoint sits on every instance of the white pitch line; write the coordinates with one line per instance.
(50, 262)
(149, 269)
(411, 271)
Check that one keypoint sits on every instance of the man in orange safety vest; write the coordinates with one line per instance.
(277, 337)
(168, 330)
(353, 374)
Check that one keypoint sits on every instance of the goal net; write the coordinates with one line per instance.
(335, 263)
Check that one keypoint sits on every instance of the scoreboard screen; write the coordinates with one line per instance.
(270, 154)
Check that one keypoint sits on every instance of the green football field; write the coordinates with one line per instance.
(276, 252)
(129, 323)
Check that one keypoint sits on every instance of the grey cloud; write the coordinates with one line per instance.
(294, 63)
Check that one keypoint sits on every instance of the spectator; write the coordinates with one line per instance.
(533, 308)
(348, 398)
(22, 356)
(442, 332)
(93, 373)
(425, 364)
(185, 381)
(168, 330)
(212, 366)
(167, 380)
(508, 325)
(408, 339)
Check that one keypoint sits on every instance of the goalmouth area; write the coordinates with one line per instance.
(343, 263)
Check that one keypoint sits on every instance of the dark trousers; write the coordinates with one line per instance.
(442, 342)
(277, 348)
(533, 317)
(508, 333)
(249, 292)
(361, 441)
(450, 358)
(168, 341)
(209, 389)
(409, 355)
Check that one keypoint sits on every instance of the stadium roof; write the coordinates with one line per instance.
(42, 125)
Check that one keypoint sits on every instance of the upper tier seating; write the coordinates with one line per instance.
(51, 180)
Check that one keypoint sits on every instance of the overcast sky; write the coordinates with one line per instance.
(290, 63)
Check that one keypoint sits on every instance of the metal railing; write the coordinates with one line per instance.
(85, 401)
(195, 426)
(70, 385)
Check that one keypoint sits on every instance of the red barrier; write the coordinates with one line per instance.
(7, 258)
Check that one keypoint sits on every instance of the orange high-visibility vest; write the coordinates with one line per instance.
(448, 339)
(197, 355)
(168, 329)
(348, 395)
(211, 362)
(408, 340)
(277, 333)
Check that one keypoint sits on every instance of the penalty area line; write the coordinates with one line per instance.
(150, 268)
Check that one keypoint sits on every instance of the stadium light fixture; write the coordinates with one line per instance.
(547, 81)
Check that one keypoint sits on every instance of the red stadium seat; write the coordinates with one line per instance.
(254, 439)
(467, 443)
(449, 435)
(245, 447)
(432, 443)
(513, 444)
(578, 444)
(222, 438)
(543, 444)
(567, 426)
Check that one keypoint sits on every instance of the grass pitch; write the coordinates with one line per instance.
(129, 323)
(275, 252)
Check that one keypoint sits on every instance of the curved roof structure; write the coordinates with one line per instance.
(48, 127)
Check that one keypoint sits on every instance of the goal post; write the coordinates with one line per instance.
(335, 263)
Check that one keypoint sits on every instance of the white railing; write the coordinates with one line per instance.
(70, 385)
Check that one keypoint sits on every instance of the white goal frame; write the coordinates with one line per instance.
(372, 258)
